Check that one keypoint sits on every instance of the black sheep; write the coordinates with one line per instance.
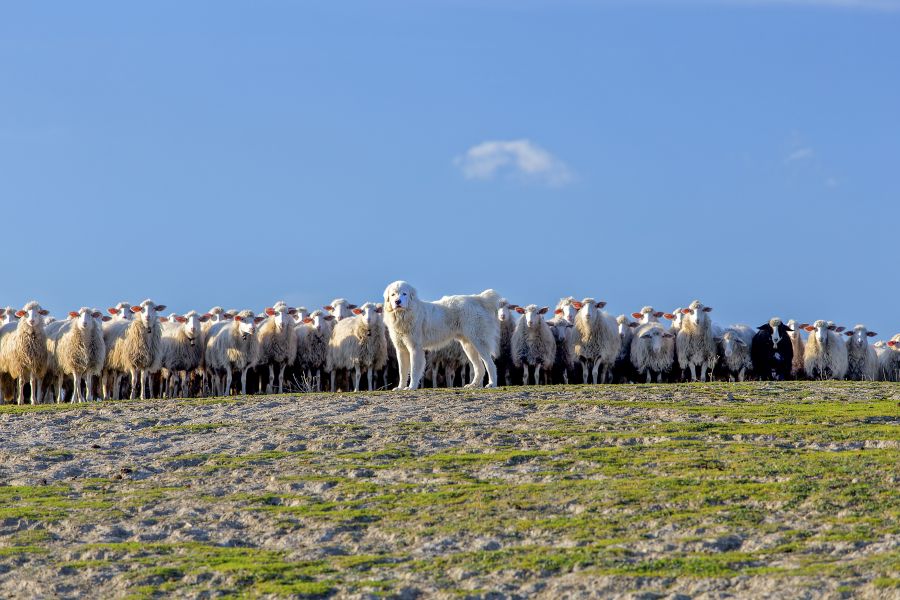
(772, 352)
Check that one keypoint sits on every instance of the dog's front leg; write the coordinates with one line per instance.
(403, 363)
(418, 367)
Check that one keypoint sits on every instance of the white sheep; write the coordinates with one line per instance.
(232, 345)
(694, 343)
(561, 325)
(300, 313)
(825, 355)
(595, 338)
(7, 316)
(313, 336)
(182, 351)
(359, 343)
(797, 345)
(504, 360)
(623, 371)
(889, 362)
(120, 312)
(533, 345)
(734, 346)
(133, 347)
(862, 362)
(277, 343)
(23, 351)
(340, 309)
(652, 351)
(648, 315)
(76, 348)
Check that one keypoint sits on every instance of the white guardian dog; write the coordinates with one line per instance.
(416, 326)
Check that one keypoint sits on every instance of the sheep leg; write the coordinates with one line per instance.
(281, 368)
(692, 368)
(35, 389)
(333, 376)
(742, 374)
(357, 375)
(89, 386)
(450, 377)
(77, 395)
(434, 375)
(244, 381)
(403, 365)
(417, 368)
(537, 374)
(59, 389)
(703, 368)
(371, 377)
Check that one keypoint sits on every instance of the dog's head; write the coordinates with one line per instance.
(398, 295)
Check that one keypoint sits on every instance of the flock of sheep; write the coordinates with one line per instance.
(136, 351)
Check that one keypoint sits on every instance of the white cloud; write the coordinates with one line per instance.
(520, 158)
(799, 154)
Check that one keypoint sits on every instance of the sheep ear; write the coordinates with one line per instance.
(849, 334)
(707, 309)
(685, 311)
(520, 310)
(112, 311)
(159, 307)
(669, 316)
(763, 326)
(379, 309)
(164, 319)
(809, 328)
(577, 305)
(270, 311)
(328, 317)
(73, 314)
(181, 319)
(204, 318)
(96, 314)
(258, 319)
(135, 309)
(351, 306)
(601, 304)
(356, 311)
(840, 329)
(558, 311)
(632, 325)
(658, 314)
(637, 315)
(20, 313)
(105, 318)
(544, 310)
(292, 311)
(43, 312)
(329, 308)
(238, 318)
(871, 334)
(307, 320)
(892, 343)
(803, 326)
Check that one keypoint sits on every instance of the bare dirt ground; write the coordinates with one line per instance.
(670, 491)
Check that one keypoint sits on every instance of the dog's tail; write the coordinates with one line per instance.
(490, 299)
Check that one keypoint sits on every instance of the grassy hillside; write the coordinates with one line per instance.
(752, 489)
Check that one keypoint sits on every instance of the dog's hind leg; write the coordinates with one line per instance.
(403, 364)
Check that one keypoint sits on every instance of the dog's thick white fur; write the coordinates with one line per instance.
(416, 326)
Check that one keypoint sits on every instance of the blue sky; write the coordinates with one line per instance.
(744, 153)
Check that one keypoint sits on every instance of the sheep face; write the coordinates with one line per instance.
(300, 314)
(246, 324)
(121, 311)
(534, 316)
(567, 312)
(282, 315)
(341, 309)
(648, 315)
(776, 330)
(85, 319)
(821, 329)
(860, 335)
(590, 307)
(32, 314)
(504, 313)
(730, 343)
(147, 313)
(624, 325)
(654, 337)
(317, 320)
(369, 312)
(697, 313)
(677, 316)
